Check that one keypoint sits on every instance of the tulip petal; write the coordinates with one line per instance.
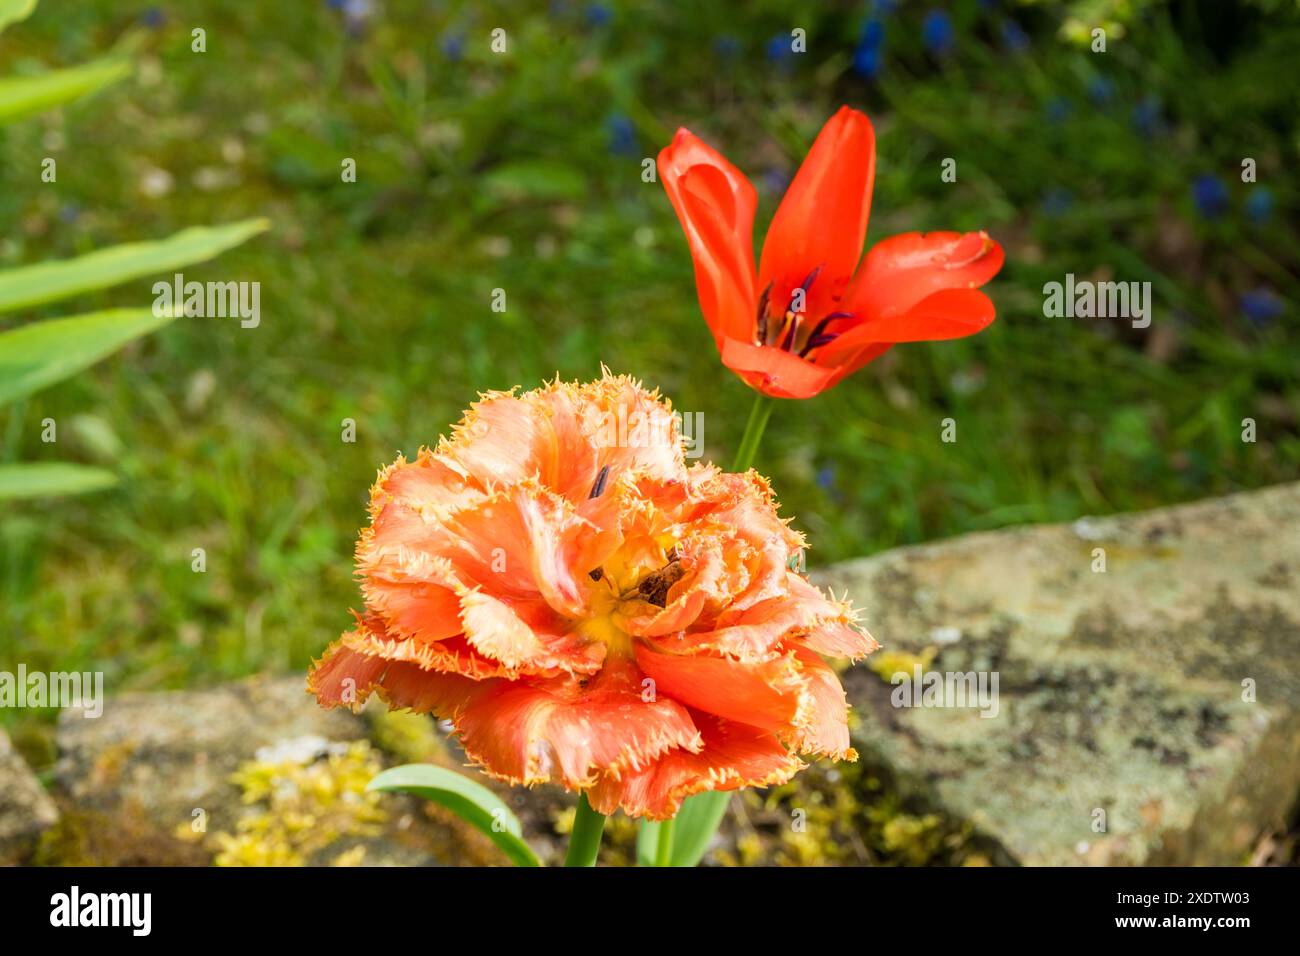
(533, 731)
(902, 271)
(822, 220)
(715, 204)
(767, 694)
(946, 314)
(824, 727)
(774, 371)
(733, 755)
(346, 677)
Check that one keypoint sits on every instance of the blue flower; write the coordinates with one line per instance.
(453, 45)
(1148, 118)
(153, 18)
(1057, 201)
(886, 7)
(1210, 194)
(622, 135)
(1101, 90)
(937, 32)
(727, 46)
(826, 477)
(873, 34)
(868, 53)
(599, 15)
(779, 50)
(866, 62)
(70, 213)
(1059, 109)
(1259, 205)
(1261, 306)
(1014, 37)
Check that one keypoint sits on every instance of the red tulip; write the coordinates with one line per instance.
(812, 314)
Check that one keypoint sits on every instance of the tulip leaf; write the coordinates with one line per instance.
(697, 821)
(24, 95)
(43, 479)
(11, 11)
(647, 842)
(50, 281)
(468, 799)
(41, 353)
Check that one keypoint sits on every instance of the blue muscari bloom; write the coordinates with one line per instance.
(335, 4)
(70, 213)
(1101, 90)
(1014, 37)
(826, 477)
(937, 32)
(866, 62)
(153, 18)
(1059, 109)
(873, 34)
(1259, 205)
(1210, 194)
(1147, 117)
(1057, 201)
(778, 48)
(599, 15)
(727, 46)
(867, 56)
(886, 7)
(453, 45)
(622, 135)
(1261, 306)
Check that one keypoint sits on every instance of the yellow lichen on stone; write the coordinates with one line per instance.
(406, 735)
(304, 805)
(885, 664)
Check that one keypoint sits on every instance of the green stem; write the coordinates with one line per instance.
(758, 417)
(584, 841)
(664, 851)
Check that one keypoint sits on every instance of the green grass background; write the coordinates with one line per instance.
(523, 172)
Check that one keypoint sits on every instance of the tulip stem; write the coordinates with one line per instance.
(664, 851)
(584, 841)
(758, 417)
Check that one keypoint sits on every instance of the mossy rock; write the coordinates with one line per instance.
(1148, 705)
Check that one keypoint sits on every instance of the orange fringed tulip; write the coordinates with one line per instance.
(587, 610)
(807, 318)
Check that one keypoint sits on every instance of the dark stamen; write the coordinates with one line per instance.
(796, 317)
(599, 487)
(762, 315)
(812, 277)
(817, 341)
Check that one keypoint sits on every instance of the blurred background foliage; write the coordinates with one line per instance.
(522, 171)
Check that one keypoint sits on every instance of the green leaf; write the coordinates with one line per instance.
(24, 95)
(697, 821)
(469, 800)
(11, 11)
(33, 356)
(42, 479)
(49, 281)
(647, 842)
